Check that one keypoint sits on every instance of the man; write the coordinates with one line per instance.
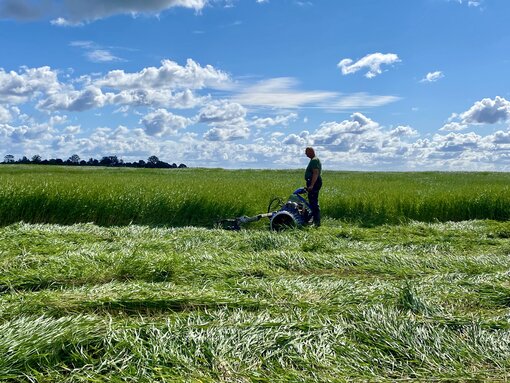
(313, 184)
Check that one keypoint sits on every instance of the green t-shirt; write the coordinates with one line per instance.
(314, 163)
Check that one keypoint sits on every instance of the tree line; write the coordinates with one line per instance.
(75, 160)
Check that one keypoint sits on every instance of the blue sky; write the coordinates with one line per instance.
(371, 84)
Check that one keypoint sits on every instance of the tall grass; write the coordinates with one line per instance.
(177, 197)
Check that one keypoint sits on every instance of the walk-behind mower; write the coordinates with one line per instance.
(295, 212)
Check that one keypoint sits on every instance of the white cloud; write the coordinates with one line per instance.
(432, 76)
(237, 130)
(73, 129)
(16, 88)
(265, 122)
(162, 122)
(76, 101)
(279, 93)
(301, 140)
(5, 115)
(362, 100)
(61, 22)
(170, 85)
(169, 75)
(94, 52)
(372, 62)
(227, 120)
(487, 111)
(403, 131)
(221, 111)
(470, 3)
(101, 55)
(158, 97)
(453, 126)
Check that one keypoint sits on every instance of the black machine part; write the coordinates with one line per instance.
(290, 216)
(235, 223)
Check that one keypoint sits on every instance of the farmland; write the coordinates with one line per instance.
(101, 279)
(120, 196)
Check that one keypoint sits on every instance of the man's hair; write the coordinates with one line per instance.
(310, 148)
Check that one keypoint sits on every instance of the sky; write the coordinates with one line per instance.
(378, 85)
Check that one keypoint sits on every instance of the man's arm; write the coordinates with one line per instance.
(315, 175)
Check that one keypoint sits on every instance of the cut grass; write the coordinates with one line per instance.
(419, 301)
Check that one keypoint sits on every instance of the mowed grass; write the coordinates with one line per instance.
(410, 302)
(200, 197)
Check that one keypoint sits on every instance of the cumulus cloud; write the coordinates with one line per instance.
(403, 131)
(228, 132)
(169, 75)
(162, 122)
(432, 76)
(348, 134)
(170, 85)
(265, 122)
(221, 111)
(453, 126)
(17, 88)
(372, 62)
(76, 101)
(227, 120)
(487, 111)
(5, 115)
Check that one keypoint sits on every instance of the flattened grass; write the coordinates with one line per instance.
(419, 301)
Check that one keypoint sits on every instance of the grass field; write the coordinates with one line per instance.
(363, 298)
(120, 196)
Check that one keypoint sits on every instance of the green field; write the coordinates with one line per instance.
(120, 196)
(397, 285)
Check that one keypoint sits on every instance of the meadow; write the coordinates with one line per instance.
(101, 279)
(199, 197)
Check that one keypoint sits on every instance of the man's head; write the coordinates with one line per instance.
(310, 153)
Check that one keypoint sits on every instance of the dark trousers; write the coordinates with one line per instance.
(313, 199)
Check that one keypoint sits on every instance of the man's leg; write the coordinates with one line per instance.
(313, 198)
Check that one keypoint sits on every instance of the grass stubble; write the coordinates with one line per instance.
(410, 302)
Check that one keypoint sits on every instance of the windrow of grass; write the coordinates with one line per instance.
(411, 302)
(200, 197)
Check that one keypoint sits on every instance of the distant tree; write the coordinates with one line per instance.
(181, 166)
(24, 160)
(74, 159)
(153, 160)
(36, 159)
(9, 159)
(109, 161)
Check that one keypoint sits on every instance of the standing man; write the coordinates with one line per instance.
(313, 184)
